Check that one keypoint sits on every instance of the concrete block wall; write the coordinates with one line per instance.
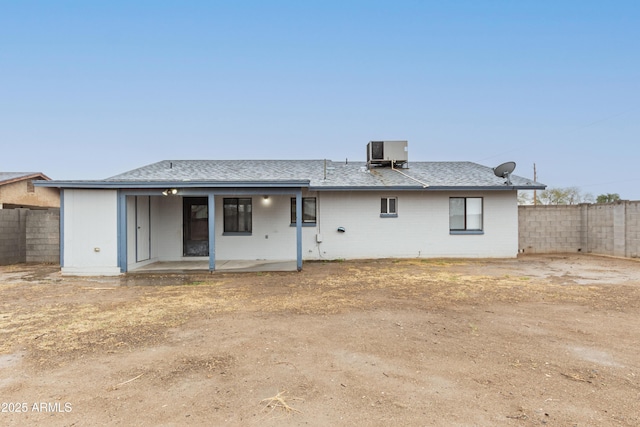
(633, 229)
(600, 229)
(12, 236)
(29, 236)
(549, 229)
(43, 236)
(605, 229)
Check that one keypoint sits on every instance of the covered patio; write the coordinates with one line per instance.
(136, 228)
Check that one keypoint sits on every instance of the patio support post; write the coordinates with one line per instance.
(299, 228)
(212, 231)
(122, 231)
(61, 228)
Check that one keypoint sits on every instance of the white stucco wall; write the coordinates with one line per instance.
(272, 237)
(420, 230)
(166, 228)
(90, 232)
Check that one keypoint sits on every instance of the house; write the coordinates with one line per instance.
(210, 212)
(18, 191)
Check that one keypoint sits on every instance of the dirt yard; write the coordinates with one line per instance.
(539, 340)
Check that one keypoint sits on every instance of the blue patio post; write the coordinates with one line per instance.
(212, 231)
(299, 228)
(122, 231)
(61, 228)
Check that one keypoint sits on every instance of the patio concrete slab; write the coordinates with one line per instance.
(221, 266)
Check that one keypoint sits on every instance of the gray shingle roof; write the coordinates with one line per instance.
(337, 175)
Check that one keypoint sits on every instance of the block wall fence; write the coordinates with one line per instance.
(29, 236)
(604, 229)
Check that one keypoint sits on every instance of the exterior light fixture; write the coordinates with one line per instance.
(170, 192)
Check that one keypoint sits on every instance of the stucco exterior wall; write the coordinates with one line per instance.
(421, 228)
(17, 193)
(90, 239)
(272, 237)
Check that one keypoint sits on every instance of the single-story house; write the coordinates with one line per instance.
(214, 211)
(17, 190)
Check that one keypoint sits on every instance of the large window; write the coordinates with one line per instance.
(237, 215)
(389, 207)
(465, 214)
(308, 210)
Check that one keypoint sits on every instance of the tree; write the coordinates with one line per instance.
(524, 198)
(608, 198)
(563, 196)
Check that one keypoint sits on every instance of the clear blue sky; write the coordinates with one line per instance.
(89, 89)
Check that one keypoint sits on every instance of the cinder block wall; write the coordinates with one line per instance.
(550, 229)
(29, 236)
(633, 229)
(605, 229)
(12, 235)
(43, 236)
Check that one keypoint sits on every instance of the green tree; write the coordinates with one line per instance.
(608, 198)
(524, 198)
(563, 196)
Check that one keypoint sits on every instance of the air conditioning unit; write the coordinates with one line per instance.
(387, 153)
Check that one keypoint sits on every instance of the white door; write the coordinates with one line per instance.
(143, 235)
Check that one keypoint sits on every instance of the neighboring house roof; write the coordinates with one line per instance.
(314, 174)
(9, 177)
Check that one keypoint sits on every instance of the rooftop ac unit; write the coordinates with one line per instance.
(387, 153)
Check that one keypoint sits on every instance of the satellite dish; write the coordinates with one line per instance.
(504, 171)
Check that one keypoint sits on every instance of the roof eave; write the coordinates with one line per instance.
(428, 188)
(24, 177)
(114, 185)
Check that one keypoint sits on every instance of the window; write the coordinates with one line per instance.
(237, 215)
(30, 188)
(308, 210)
(389, 207)
(465, 214)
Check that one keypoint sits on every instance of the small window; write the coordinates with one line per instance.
(465, 214)
(30, 188)
(389, 207)
(237, 215)
(308, 210)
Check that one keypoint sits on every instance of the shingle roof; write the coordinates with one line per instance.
(335, 175)
(8, 177)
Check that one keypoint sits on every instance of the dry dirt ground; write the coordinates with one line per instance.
(538, 340)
